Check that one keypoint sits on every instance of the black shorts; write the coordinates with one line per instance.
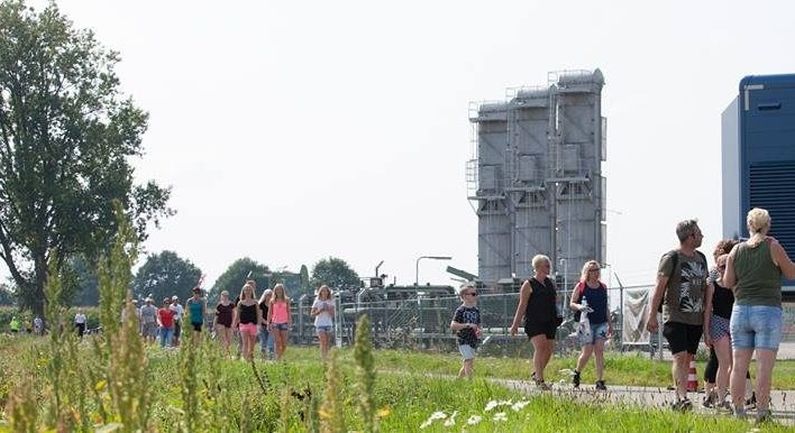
(547, 328)
(197, 327)
(682, 337)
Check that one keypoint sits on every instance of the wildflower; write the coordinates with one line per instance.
(384, 412)
(474, 420)
(451, 421)
(519, 405)
(500, 416)
(434, 416)
(495, 403)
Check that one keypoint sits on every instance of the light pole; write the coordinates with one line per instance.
(417, 266)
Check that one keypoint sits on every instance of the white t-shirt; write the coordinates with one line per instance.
(324, 318)
(80, 319)
(178, 311)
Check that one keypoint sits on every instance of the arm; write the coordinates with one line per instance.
(270, 313)
(259, 314)
(729, 278)
(215, 319)
(315, 310)
(235, 318)
(656, 300)
(781, 259)
(575, 300)
(289, 316)
(524, 296)
(330, 309)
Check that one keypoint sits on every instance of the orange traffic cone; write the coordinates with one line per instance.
(692, 378)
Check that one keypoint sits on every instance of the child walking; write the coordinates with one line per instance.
(466, 324)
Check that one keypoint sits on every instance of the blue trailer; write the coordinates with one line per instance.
(758, 158)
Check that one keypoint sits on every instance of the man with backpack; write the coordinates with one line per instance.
(682, 283)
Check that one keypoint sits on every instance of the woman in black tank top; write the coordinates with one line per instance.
(537, 306)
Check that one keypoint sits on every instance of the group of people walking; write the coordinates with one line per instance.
(168, 322)
(735, 306)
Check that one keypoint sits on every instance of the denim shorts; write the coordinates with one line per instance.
(325, 329)
(598, 332)
(756, 327)
(467, 351)
(281, 326)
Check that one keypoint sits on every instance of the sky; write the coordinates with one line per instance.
(294, 131)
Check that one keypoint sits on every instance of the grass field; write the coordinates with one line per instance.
(201, 390)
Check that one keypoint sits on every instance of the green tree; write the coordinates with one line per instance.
(67, 136)
(7, 297)
(84, 278)
(334, 272)
(305, 286)
(235, 276)
(164, 275)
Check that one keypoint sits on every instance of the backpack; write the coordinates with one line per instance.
(675, 260)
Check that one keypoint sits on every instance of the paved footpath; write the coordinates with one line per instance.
(782, 402)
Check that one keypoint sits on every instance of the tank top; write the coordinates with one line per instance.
(279, 314)
(758, 278)
(597, 301)
(722, 298)
(248, 313)
(541, 305)
(224, 313)
(196, 310)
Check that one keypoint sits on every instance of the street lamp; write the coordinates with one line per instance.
(417, 266)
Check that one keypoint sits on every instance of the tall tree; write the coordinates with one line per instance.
(86, 285)
(335, 273)
(235, 276)
(164, 275)
(67, 135)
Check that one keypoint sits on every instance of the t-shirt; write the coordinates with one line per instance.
(166, 317)
(148, 314)
(684, 294)
(224, 314)
(178, 310)
(80, 319)
(466, 314)
(263, 306)
(324, 318)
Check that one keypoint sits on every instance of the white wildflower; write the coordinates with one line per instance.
(451, 421)
(474, 419)
(519, 405)
(491, 405)
(434, 416)
(500, 416)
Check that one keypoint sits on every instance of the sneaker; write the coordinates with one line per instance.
(600, 385)
(724, 405)
(683, 405)
(763, 416)
(543, 386)
(739, 412)
(710, 399)
(575, 380)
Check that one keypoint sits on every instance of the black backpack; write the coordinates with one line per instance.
(675, 260)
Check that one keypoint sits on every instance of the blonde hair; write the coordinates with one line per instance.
(758, 221)
(538, 258)
(321, 289)
(585, 268)
(243, 292)
(275, 297)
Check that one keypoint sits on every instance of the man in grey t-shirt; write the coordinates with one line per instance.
(682, 281)
(149, 321)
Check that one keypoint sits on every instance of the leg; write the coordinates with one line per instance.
(585, 355)
(468, 367)
(539, 348)
(765, 359)
(711, 370)
(322, 337)
(285, 336)
(723, 353)
(740, 361)
(680, 365)
(599, 358)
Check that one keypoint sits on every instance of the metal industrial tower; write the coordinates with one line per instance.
(536, 180)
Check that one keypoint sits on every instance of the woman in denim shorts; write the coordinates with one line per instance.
(323, 312)
(754, 269)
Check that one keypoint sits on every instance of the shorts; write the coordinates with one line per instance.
(467, 351)
(323, 329)
(682, 337)
(598, 332)
(248, 328)
(197, 326)
(149, 330)
(547, 328)
(756, 327)
(718, 327)
(281, 326)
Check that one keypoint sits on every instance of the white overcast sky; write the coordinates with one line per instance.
(292, 131)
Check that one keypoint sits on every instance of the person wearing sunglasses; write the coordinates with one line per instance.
(590, 296)
(466, 325)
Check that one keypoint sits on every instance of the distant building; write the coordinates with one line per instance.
(536, 179)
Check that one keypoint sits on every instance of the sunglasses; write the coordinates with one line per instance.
(471, 293)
